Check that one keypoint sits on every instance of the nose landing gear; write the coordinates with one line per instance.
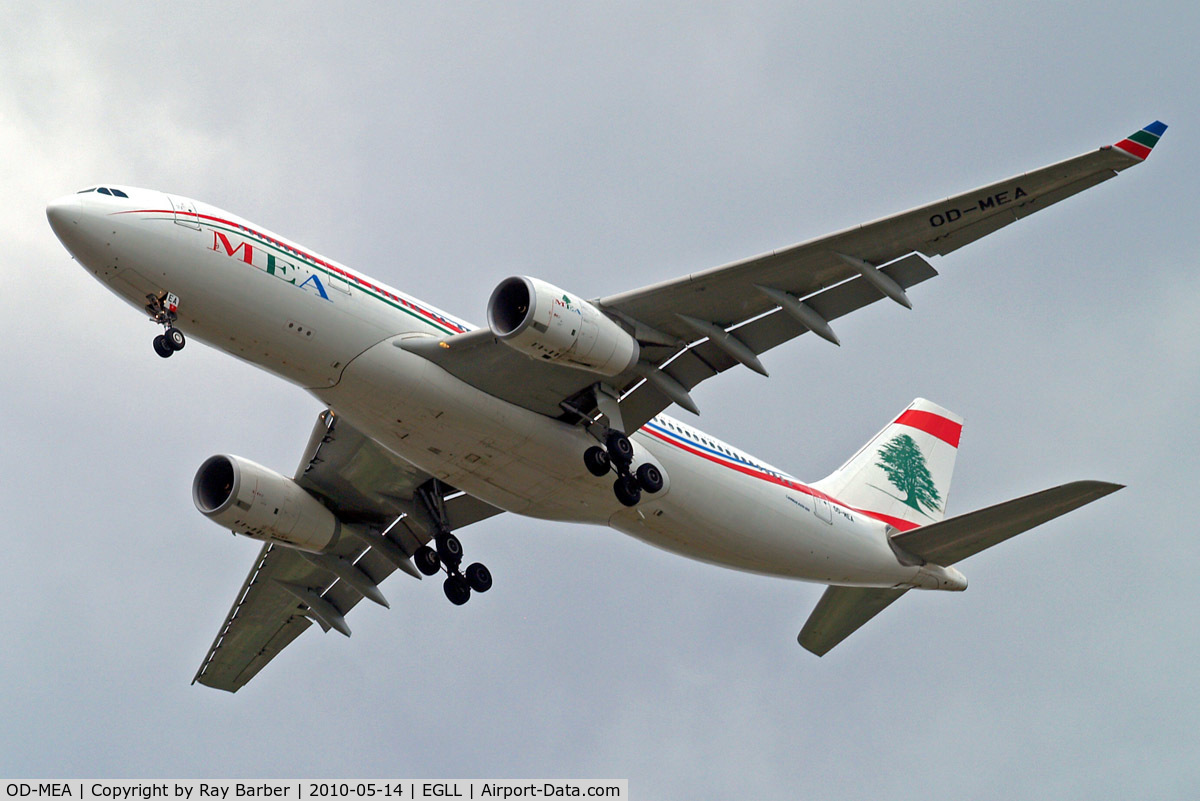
(448, 551)
(163, 310)
(618, 455)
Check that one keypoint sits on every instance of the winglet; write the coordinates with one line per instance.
(1141, 143)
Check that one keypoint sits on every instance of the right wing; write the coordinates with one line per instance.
(372, 491)
(696, 326)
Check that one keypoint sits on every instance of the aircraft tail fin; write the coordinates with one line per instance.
(903, 473)
(842, 610)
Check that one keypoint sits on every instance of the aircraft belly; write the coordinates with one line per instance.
(508, 456)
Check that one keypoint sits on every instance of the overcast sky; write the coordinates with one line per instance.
(443, 147)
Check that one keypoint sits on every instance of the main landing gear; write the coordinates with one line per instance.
(617, 454)
(163, 310)
(447, 552)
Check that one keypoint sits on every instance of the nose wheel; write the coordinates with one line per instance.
(163, 310)
(617, 455)
(446, 553)
(168, 342)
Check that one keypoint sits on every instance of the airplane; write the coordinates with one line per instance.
(555, 410)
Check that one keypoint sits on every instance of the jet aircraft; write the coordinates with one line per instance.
(555, 409)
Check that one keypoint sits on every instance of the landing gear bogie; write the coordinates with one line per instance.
(163, 310)
(617, 455)
(445, 551)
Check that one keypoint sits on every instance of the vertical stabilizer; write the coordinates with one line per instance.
(903, 474)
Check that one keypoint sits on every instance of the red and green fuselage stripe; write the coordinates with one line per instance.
(404, 304)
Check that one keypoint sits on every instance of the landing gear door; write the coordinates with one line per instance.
(185, 212)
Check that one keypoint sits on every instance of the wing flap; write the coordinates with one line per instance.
(726, 293)
(263, 620)
(704, 359)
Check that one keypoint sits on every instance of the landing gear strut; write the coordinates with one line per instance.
(447, 550)
(617, 454)
(163, 310)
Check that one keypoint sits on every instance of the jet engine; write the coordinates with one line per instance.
(255, 501)
(546, 323)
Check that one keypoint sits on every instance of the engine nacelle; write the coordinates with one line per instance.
(546, 323)
(255, 501)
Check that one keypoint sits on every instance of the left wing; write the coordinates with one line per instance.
(691, 328)
(369, 489)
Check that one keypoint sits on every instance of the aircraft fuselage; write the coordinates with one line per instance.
(336, 333)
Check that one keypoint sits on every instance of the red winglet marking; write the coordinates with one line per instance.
(1134, 149)
(943, 428)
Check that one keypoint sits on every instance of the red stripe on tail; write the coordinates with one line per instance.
(943, 428)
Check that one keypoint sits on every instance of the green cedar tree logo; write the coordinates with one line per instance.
(905, 466)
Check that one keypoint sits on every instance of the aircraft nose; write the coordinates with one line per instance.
(63, 214)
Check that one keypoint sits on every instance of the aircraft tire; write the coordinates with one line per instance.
(597, 461)
(620, 449)
(161, 347)
(627, 490)
(457, 590)
(174, 339)
(449, 549)
(649, 478)
(427, 560)
(479, 577)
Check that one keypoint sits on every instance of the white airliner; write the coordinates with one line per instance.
(555, 410)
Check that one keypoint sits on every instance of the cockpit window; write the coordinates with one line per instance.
(104, 191)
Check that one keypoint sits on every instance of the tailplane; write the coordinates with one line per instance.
(903, 474)
(842, 610)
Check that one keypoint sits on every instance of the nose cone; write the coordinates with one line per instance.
(63, 215)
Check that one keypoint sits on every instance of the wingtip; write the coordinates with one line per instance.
(1097, 489)
(1140, 143)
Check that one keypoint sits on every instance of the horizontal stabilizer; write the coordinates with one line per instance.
(840, 613)
(955, 539)
(842, 610)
